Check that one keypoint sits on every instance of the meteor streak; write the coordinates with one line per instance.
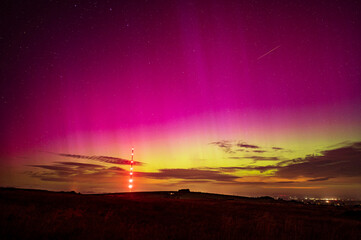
(268, 52)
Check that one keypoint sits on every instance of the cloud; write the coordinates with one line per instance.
(339, 162)
(245, 145)
(259, 151)
(290, 161)
(286, 182)
(74, 171)
(50, 167)
(81, 165)
(261, 158)
(258, 158)
(258, 168)
(189, 173)
(231, 147)
(113, 160)
(82, 172)
(116, 169)
(184, 183)
(226, 146)
(54, 179)
(318, 179)
(243, 183)
(259, 183)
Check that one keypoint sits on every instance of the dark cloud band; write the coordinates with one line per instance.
(113, 160)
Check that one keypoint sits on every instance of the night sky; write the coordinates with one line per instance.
(238, 97)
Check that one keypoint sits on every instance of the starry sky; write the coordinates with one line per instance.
(237, 97)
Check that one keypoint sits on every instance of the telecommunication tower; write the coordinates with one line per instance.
(131, 172)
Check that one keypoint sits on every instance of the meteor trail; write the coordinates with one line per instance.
(268, 52)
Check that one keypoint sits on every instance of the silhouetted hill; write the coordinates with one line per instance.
(38, 214)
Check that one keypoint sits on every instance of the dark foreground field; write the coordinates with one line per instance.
(30, 214)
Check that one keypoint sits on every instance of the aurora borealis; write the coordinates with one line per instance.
(238, 97)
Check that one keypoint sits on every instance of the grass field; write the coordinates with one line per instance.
(32, 214)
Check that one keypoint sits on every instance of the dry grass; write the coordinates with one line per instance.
(47, 215)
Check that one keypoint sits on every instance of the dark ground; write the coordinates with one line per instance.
(34, 214)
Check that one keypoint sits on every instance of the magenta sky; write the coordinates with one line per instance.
(186, 83)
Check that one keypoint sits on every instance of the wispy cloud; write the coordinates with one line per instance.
(106, 159)
(258, 168)
(81, 172)
(189, 173)
(226, 146)
(245, 145)
(234, 147)
(318, 179)
(73, 171)
(259, 151)
(262, 158)
(243, 183)
(81, 165)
